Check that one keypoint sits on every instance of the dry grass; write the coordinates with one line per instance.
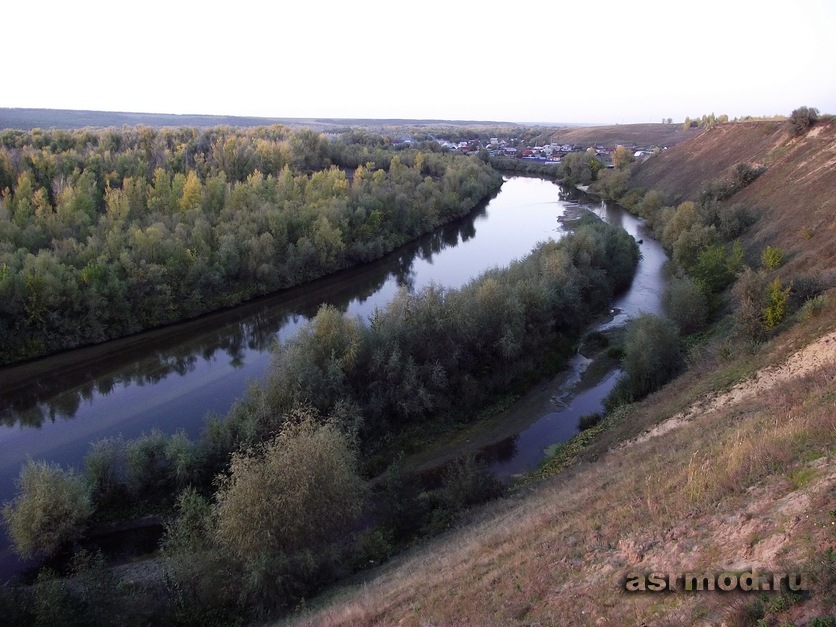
(746, 482)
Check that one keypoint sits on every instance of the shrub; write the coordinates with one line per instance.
(54, 602)
(802, 119)
(733, 220)
(400, 509)
(651, 204)
(188, 533)
(589, 421)
(736, 261)
(813, 307)
(806, 287)
(682, 219)
(298, 491)
(687, 247)
(685, 304)
(744, 174)
(712, 271)
(105, 468)
(772, 257)
(373, 547)
(774, 312)
(50, 510)
(148, 467)
(281, 513)
(158, 464)
(468, 481)
(651, 356)
(748, 295)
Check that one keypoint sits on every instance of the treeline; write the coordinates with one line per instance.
(268, 499)
(106, 233)
(524, 166)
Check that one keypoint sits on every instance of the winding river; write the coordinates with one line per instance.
(172, 378)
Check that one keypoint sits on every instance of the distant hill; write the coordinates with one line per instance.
(27, 119)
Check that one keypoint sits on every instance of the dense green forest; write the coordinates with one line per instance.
(106, 233)
(276, 499)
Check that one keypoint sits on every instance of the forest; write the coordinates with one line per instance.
(300, 483)
(105, 233)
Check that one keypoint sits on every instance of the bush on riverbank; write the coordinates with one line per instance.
(51, 509)
(652, 357)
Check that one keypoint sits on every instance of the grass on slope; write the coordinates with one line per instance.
(746, 479)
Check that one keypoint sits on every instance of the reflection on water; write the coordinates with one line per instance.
(231, 336)
(525, 451)
(172, 378)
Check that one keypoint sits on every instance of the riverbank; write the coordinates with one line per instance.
(728, 470)
(173, 382)
(498, 424)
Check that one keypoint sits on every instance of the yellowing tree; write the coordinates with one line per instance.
(622, 157)
(296, 493)
(192, 196)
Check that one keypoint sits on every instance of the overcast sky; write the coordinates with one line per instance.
(605, 61)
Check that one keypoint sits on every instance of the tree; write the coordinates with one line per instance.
(772, 257)
(749, 300)
(651, 356)
(296, 493)
(50, 510)
(775, 311)
(622, 157)
(685, 304)
(192, 195)
(802, 119)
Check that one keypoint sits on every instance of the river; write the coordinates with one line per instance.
(172, 378)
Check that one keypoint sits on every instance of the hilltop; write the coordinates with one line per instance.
(27, 119)
(729, 468)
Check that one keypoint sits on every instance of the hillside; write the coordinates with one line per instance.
(795, 195)
(625, 134)
(728, 469)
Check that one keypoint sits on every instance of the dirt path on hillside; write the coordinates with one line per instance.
(818, 354)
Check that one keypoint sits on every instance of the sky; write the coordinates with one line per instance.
(602, 62)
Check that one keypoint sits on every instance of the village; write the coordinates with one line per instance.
(547, 153)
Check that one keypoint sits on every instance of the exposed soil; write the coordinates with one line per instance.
(793, 197)
(821, 354)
